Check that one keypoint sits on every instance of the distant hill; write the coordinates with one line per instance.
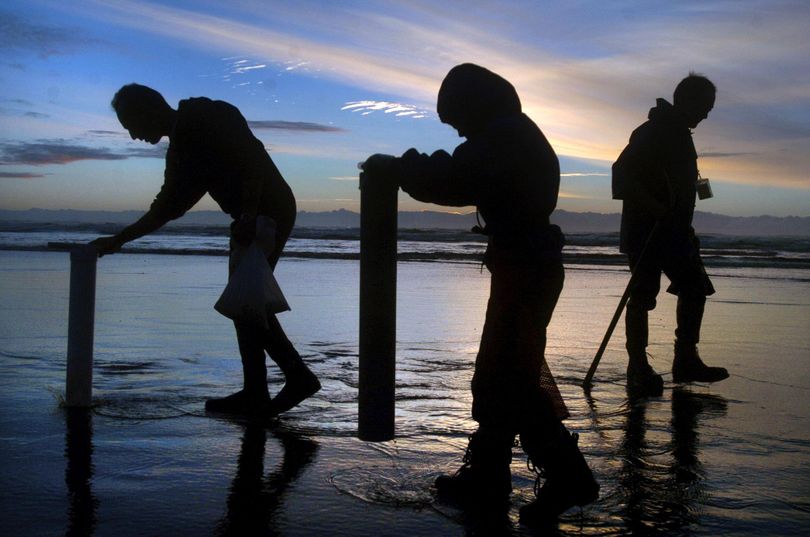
(570, 222)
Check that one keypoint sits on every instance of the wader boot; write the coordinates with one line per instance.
(642, 380)
(485, 476)
(687, 365)
(253, 399)
(568, 479)
(300, 383)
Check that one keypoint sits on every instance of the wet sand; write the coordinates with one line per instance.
(729, 459)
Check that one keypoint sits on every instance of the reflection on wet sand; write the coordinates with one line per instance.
(82, 504)
(255, 499)
(663, 498)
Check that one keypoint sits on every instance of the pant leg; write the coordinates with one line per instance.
(279, 347)
(643, 293)
(512, 383)
(251, 350)
(692, 285)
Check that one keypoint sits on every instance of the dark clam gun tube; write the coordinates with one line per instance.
(378, 299)
(81, 314)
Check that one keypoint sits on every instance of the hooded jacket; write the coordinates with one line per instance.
(506, 167)
(661, 160)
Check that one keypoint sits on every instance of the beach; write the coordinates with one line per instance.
(731, 458)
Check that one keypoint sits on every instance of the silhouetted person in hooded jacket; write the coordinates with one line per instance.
(509, 171)
(212, 150)
(656, 177)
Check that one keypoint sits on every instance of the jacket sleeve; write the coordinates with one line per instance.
(441, 178)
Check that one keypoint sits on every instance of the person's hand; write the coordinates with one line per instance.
(243, 231)
(377, 163)
(380, 167)
(107, 245)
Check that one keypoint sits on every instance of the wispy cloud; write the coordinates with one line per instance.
(398, 109)
(20, 175)
(50, 152)
(299, 126)
(99, 132)
(572, 196)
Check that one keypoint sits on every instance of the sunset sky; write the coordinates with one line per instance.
(325, 84)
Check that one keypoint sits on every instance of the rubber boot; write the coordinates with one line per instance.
(642, 380)
(484, 477)
(568, 483)
(687, 365)
(300, 382)
(253, 399)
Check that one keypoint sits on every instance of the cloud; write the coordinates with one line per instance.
(152, 151)
(49, 152)
(299, 126)
(572, 196)
(719, 154)
(587, 79)
(99, 132)
(398, 109)
(17, 33)
(20, 175)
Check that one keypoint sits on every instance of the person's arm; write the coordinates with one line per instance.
(441, 178)
(176, 196)
(145, 225)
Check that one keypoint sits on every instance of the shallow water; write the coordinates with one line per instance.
(729, 459)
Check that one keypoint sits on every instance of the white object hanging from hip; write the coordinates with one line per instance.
(253, 294)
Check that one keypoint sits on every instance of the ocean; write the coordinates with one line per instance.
(413, 244)
(731, 458)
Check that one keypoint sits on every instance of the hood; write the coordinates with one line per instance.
(664, 112)
(471, 97)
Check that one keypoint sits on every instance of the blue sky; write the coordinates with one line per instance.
(326, 84)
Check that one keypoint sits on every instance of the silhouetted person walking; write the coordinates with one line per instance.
(212, 150)
(509, 171)
(656, 177)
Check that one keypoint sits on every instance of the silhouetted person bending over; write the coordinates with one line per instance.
(212, 150)
(656, 175)
(509, 171)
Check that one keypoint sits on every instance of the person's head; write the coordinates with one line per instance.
(471, 97)
(694, 98)
(143, 112)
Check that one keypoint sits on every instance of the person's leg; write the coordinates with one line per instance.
(691, 283)
(641, 377)
(552, 451)
(300, 382)
(484, 476)
(254, 397)
(555, 456)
